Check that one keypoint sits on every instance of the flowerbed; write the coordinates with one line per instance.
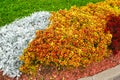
(75, 38)
(75, 41)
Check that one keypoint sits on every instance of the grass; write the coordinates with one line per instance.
(12, 9)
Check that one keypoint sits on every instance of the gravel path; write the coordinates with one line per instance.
(15, 37)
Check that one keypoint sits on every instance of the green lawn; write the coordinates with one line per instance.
(12, 9)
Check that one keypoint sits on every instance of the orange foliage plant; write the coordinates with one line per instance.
(74, 38)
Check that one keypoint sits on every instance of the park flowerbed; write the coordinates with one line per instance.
(78, 42)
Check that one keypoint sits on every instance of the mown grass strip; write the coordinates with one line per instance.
(12, 9)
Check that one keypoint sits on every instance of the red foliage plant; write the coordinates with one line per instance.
(113, 26)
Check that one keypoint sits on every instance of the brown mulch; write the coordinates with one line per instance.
(72, 74)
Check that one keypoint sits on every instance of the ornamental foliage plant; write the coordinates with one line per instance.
(74, 38)
(113, 26)
(15, 37)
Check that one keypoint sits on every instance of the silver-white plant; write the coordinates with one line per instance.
(15, 37)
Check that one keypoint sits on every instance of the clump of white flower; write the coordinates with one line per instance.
(15, 37)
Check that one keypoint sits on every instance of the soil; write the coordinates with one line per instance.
(72, 74)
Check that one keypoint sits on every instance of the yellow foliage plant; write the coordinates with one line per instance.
(74, 38)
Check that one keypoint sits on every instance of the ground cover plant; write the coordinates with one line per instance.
(113, 25)
(78, 42)
(14, 40)
(12, 9)
(75, 38)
